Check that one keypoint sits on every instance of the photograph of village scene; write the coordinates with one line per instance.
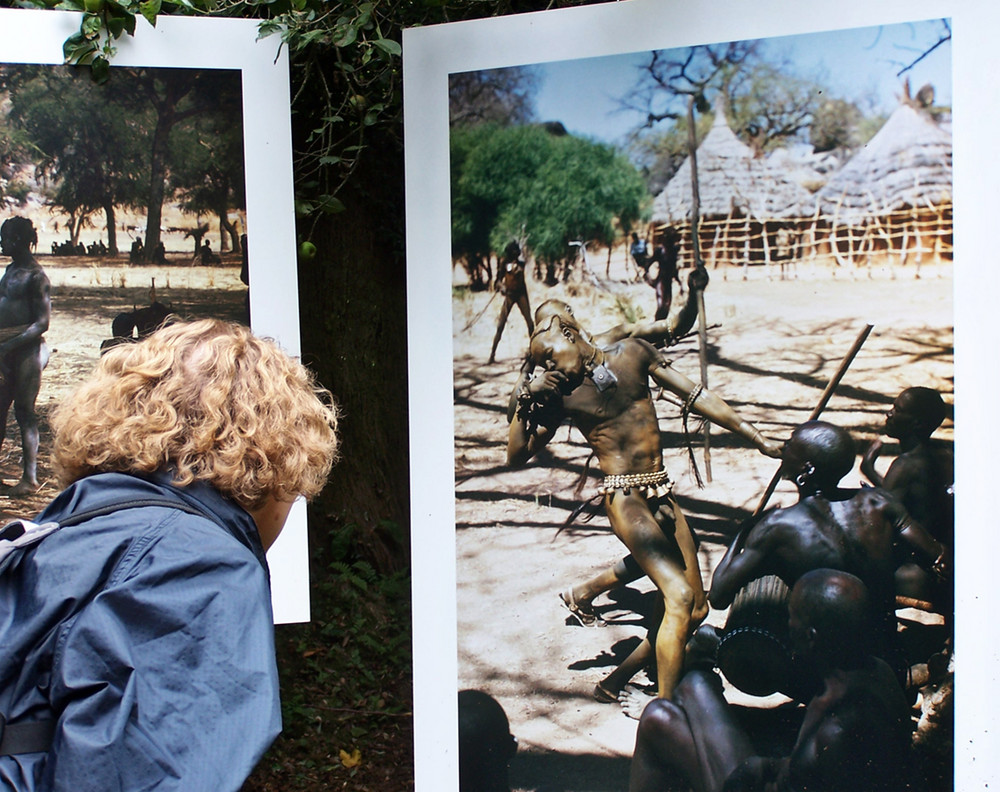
(818, 203)
(130, 197)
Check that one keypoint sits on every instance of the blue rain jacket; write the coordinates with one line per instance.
(148, 635)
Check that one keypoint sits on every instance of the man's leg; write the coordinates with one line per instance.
(664, 750)
(501, 321)
(671, 518)
(663, 559)
(522, 303)
(580, 598)
(695, 736)
(29, 380)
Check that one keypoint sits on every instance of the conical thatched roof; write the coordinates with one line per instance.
(731, 177)
(907, 164)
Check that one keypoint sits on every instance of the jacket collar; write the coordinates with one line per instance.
(100, 488)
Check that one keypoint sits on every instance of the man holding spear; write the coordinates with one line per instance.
(606, 394)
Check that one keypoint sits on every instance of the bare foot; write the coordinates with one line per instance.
(22, 487)
(633, 701)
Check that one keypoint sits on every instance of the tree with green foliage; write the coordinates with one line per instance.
(207, 173)
(546, 190)
(770, 107)
(90, 149)
(175, 96)
(492, 167)
(581, 189)
(13, 155)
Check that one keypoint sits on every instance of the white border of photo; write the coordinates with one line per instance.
(33, 36)
(431, 53)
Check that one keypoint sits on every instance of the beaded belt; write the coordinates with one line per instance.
(656, 483)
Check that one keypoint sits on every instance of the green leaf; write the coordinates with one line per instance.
(77, 47)
(330, 204)
(388, 46)
(90, 26)
(345, 36)
(268, 28)
(149, 10)
(100, 69)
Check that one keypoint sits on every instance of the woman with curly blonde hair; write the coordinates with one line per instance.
(138, 638)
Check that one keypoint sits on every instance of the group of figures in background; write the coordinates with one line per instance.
(813, 589)
(510, 281)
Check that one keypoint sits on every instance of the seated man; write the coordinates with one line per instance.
(863, 532)
(606, 394)
(922, 477)
(855, 734)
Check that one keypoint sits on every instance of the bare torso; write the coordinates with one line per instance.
(620, 423)
(854, 532)
(20, 289)
(921, 478)
(854, 734)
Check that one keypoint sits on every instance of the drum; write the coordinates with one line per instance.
(755, 652)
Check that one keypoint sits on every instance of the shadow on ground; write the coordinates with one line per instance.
(534, 772)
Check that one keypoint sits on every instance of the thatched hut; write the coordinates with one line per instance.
(749, 209)
(894, 197)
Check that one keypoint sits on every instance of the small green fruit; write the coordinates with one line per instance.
(307, 250)
(93, 6)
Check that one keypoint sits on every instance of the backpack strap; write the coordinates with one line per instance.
(28, 737)
(36, 736)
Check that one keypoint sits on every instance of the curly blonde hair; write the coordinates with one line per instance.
(206, 401)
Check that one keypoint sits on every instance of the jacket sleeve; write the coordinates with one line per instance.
(167, 679)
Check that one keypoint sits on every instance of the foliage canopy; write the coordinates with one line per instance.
(544, 189)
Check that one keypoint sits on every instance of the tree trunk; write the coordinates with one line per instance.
(109, 219)
(353, 318)
(226, 227)
(157, 177)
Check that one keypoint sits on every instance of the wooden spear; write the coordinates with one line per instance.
(699, 262)
(824, 399)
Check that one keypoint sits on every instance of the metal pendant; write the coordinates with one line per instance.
(603, 377)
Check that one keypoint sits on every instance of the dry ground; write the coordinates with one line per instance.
(773, 345)
(87, 293)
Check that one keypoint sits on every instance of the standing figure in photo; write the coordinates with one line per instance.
(606, 392)
(138, 637)
(665, 257)
(855, 732)
(639, 251)
(514, 290)
(25, 310)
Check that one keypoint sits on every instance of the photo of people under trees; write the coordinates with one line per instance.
(122, 205)
(703, 348)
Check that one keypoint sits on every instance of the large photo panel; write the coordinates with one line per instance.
(826, 189)
(146, 195)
